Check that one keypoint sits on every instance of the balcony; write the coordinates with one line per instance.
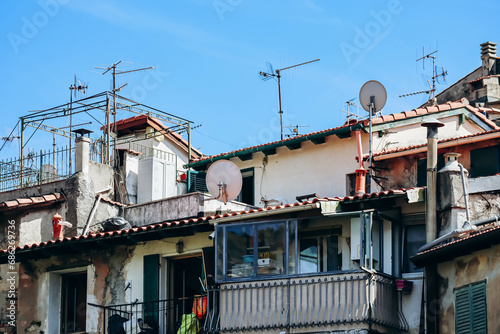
(354, 300)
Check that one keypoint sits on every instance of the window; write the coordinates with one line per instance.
(414, 238)
(319, 249)
(470, 309)
(74, 302)
(277, 248)
(485, 161)
(247, 189)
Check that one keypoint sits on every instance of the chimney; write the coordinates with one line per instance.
(82, 150)
(488, 55)
(488, 49)
(453, 190)
(432, 126)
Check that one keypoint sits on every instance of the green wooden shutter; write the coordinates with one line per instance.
(470, 309)
(151, 278)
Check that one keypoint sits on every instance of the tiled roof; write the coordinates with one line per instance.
(184, 222)
(111, 201)
(474, 234)
(413, 147)
(463, 103)
(31, 201)
(485, 77)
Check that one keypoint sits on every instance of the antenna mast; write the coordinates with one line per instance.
(114, 72)
(432, 88)
(277, 74)
(72, 91)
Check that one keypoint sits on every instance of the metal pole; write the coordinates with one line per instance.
(108, 148)
(372, 107)
(21, 154)
(279, 99)
(189, 141)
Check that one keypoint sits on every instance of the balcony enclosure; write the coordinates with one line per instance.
(298, 274)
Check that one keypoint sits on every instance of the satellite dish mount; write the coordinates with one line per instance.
(372, 97)
(224, 180)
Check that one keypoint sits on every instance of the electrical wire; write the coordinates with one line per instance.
(8, 138)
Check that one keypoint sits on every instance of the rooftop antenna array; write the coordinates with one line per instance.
(276, 74)
(73, 90)
(435, 76)
(114, 71)
(295, 130)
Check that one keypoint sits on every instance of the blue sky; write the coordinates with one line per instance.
(207, 55)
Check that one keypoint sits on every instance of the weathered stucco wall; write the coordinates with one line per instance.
(109, 270)
(479, 265)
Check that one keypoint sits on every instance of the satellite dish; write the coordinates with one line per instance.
(48, 173)
(375, 89)
(224, 180)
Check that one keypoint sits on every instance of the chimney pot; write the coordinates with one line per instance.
(488, 49)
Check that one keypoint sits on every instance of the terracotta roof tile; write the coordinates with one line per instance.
(411, 147)
(443, 107)
(11, 204)
(51, 197)
(169, 224)
(471, 235)
(24, 201)
(30, 201)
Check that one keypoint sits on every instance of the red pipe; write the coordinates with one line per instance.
(361, 171)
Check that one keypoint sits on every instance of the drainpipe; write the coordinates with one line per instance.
(430, 271)
(432, 126)
(94, 209)
(361, 171)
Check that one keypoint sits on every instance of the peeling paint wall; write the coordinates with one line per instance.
(109, 270)
(479, 265)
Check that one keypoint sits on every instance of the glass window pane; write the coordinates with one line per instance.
(292, 267)
(220, 252)
(271, 249)
(414, 238)
(309, 255)
(240, 254)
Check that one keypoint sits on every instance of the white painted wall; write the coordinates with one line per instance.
(322, 168)
(133, 270)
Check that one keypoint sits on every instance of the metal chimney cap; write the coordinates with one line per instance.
(432, 123)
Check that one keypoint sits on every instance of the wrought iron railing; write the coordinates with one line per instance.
(42, 167)
(152, 152)
(162, 316)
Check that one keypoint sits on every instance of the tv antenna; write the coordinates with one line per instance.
(277, 75)
(295, 130)
(435, 76)
(224, 180)
(73, 89)
(351, 114)
(114, 71)
(372, 98)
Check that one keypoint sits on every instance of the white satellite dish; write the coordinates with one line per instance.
(373, 89)
(224, 180)
(48, 173)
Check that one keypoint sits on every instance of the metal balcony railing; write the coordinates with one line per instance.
(331, 301)
(327, 303)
